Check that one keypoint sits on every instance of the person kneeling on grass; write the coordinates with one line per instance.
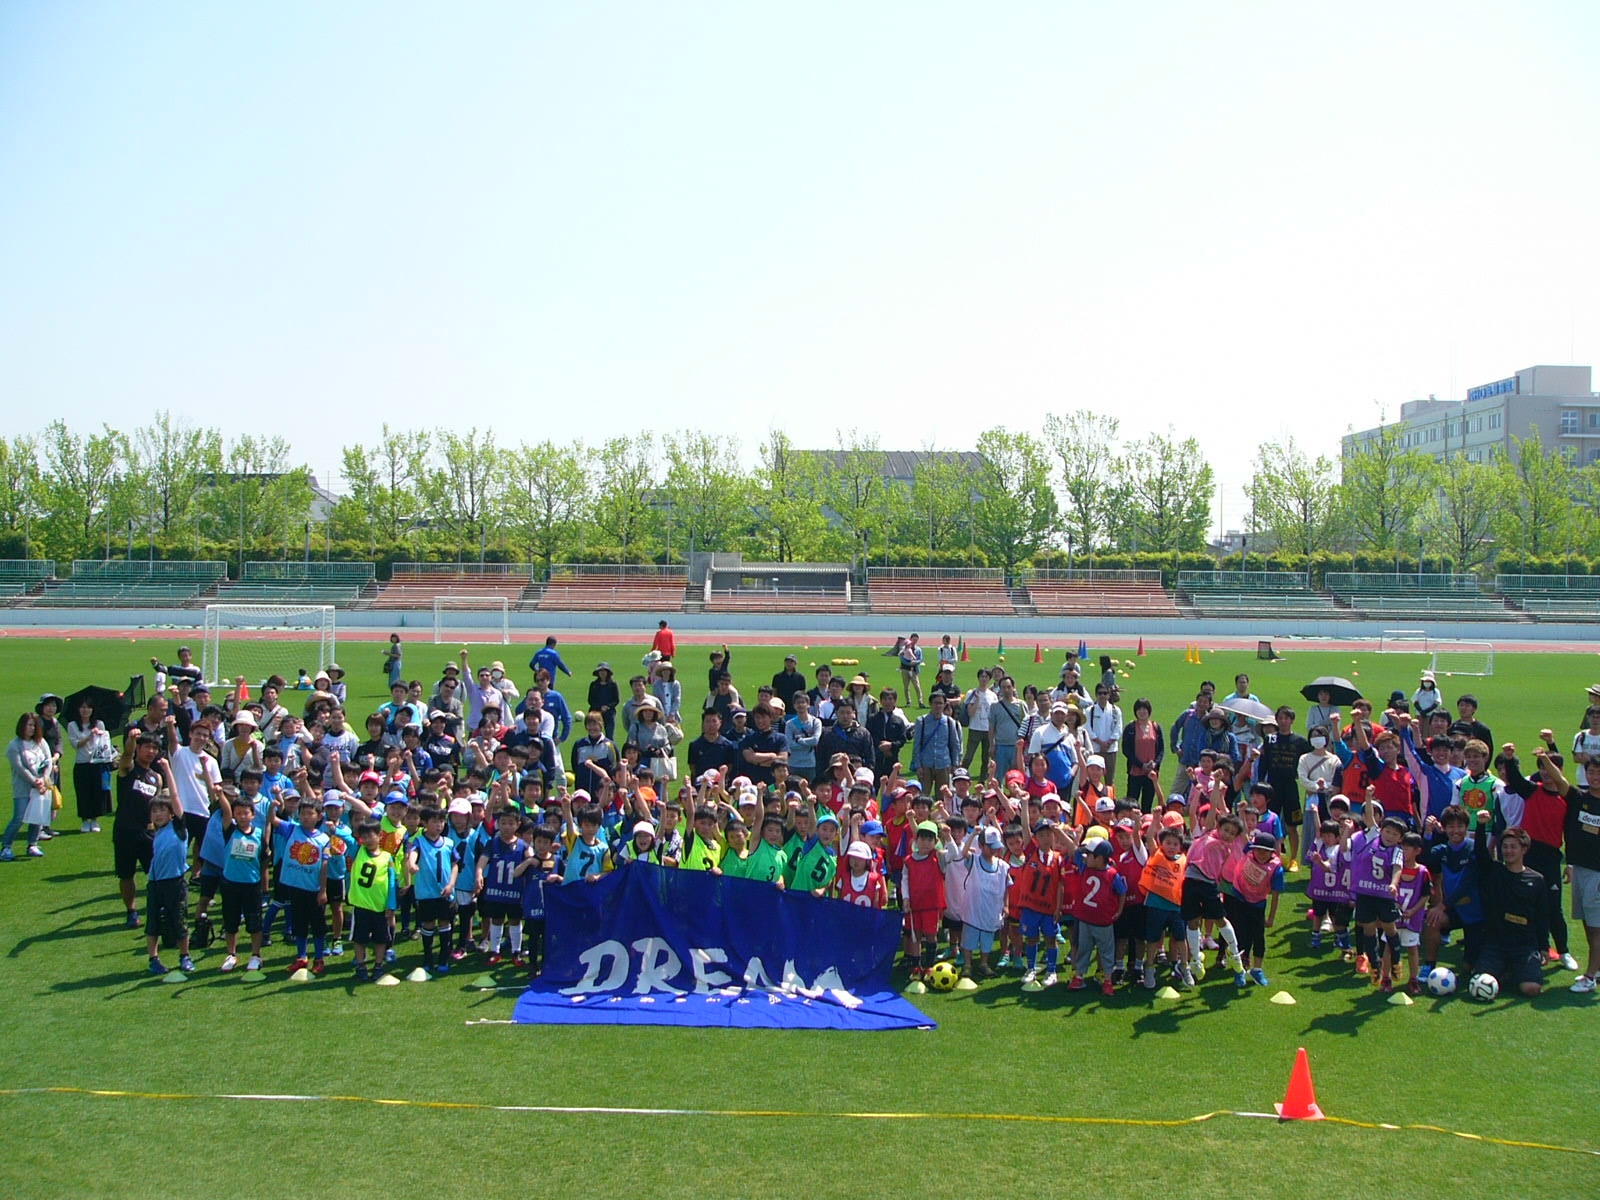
(167, 891)
(1513, 894)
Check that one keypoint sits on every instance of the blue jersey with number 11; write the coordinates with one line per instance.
(500, 882)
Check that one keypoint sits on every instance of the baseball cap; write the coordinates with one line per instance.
(332, 800)
(461, 805)
(1127, 823)
(1095, 760)
(1105, 804)
(1172, 820)
(864, 775)
(960, 773)
(992, 838)
(859, 850)
(370, 777)
(1049, 798)
(827, 819)
(927, 827)
(1263, 841)
(911, 785)
(860, 786)
(871, 827)
(397, 798)
(1098, 846)
(644, 827)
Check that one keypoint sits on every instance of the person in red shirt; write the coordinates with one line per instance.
(1128, 857)
(664, 643)
(1011, 940)
(1038, 888)
(922, 896)
(1391, 783)
(858, 883)
(1544, 816)
(1096, 892)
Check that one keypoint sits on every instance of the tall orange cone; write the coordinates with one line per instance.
(1300, 1101)
(962, 647)
(1038, 653)
(1140, 652)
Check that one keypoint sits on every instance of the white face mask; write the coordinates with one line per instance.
(497, 676)
(1319, 742)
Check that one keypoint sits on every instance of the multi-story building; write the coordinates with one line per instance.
(1557, 402)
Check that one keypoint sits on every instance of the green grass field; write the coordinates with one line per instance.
(85, 1015)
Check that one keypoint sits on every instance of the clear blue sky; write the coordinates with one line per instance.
(1245, 220)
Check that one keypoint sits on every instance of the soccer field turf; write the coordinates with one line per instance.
(85, 1015)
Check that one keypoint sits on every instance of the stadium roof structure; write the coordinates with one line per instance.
(901, 465)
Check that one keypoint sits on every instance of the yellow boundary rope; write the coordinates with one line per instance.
(1016, 1118)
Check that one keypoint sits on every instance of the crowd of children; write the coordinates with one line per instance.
(1408, 840)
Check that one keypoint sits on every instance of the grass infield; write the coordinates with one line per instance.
(85, 1015)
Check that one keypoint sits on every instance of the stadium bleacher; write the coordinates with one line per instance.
(1553, 597)
(1256, 594)
(417, 585)
(307, 582)
(137, 583)
(22, 577)
(1415, 597)
(977, 591)
(614, 589)
(1095, 593)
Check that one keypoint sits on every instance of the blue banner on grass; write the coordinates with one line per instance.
(648, 945)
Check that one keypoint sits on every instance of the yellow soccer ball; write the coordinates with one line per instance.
(942, 976)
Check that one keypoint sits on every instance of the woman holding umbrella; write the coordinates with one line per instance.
(1327, 693)
(93, 757)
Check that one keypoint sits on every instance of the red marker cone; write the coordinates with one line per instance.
(1140, 651)
(1038, 653)
(962, 645)
(1300, 1101)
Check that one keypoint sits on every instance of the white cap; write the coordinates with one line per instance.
(1095, 760)
(461, 805)
(859, 850)
(644, 827)
(864, 775)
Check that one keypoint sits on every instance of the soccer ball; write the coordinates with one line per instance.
(1442, 981)
(1483, 987)
(942, 977)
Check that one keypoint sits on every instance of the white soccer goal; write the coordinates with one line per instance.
(483, 618)
(1462, 658)
(258, 640)
(1403, 641)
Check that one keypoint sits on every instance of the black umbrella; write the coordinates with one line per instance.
(1340, 691)
(110, 706)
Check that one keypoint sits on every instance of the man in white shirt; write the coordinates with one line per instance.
(198, 779)
(1105, 728)
(979, 700)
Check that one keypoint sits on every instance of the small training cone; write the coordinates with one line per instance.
(387, 981)
(1038, 653)
(1401, 999)
(1000, 648)
(418, 975)
(1300, 1101)
(301, 976)
(966, 984)
(1168, 993)
(174, 977)
(254, 976)
(1083, 648)
(1035, 986)
(916, 988)
(1140, 651)
(1281, 998)
(484, 983)
(963, 651)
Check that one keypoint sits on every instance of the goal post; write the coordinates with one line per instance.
(260, 640)
(1462, 658)
(487, 618)
(1403, 641)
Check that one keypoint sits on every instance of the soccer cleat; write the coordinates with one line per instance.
(1568, 962)
(1049, 980)
(1208, 943)
(442, 969)
(1258, 977)
(156, 967)
(1326, 926)
(495, 960)
(1550, 954)
(46, 834)
(1031, 975)
(1316, 941)
(1161, 958)
(1363, 965)
(1241, 980)
(337, 950)
(35, 852)
(1149, 979)
(1423, 972)
(1292, 865)
(1107, 988)
(1077, 984)
(361, 973)
(318, 965)
(519, 960)
(457, 955)
(984, 971)
(1413, 987)
(1185, 975)
(1117, 974)
(186, 965)
(1236, 963)
(230, 962)
(8, 855)
(1583, 983)
(1198, 968)
(298, 964)
(1386, 983)
(1005, 961)
(254, 964)
(133, 920)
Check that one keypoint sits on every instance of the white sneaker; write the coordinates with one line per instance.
(230, 962)
(94, 827)
(1049, 980)
(1327, 925)
(1568, 962)
(254, 964)
(88, 827)
(1031, 974)
(1582, 983)
(35, 852)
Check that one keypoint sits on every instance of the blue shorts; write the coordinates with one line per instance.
(976, 940)
(1037, 924)
(1160, 922)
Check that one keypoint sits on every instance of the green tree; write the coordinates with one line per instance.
(1015, 515)
(1536, 509)
(255, 498)
(465, 489)
(1382, 490)
(87, 481)
(854, 487)
(546, 496)
(1170, 490)
(174, 458)
(1093, 491)
(621, 507)
(787, 523)
(705, 494)
(1468, 500)
(20, 491)
(939, 505)
(389, 489)
(1294, 498)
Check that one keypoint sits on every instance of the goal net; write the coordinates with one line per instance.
(1403, 641)
(482, 618)
(1462, 658)
(258, 640)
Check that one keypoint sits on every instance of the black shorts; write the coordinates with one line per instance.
(1381, 910)
(500, 910)
(952, 926)
(1288, 810)
(306, 916)
(1201, 899)
(166, 909)
(372, 927)
(241, 902)
(1511, 965)
(196, 825)
(1338, 914)
(1130, 923)
(435, 911)
(130, 851)
(335, 891)
(209, 884)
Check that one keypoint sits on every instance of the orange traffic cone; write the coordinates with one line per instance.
(241, 690)
(1300, 1101)
(1140, 652)
(1038, 653)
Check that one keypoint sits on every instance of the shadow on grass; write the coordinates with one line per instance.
(1348, 1022)
(74, 878)
(67, 932)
